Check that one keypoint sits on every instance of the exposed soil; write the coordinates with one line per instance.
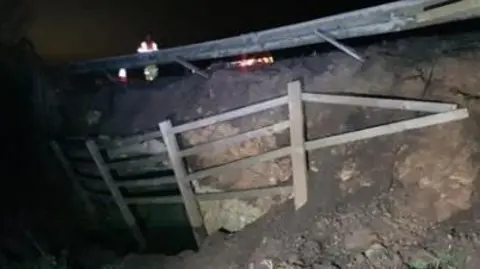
(407, 200)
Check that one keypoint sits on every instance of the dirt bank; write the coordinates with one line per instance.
(389, 202)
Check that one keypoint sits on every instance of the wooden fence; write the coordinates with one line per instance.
(174, 155)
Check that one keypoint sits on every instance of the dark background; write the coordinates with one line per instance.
(84, 29)
(32, 199)
(36, 203)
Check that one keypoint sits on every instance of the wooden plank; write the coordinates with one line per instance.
(93, 184)
(177, 199)
(422, 106)
(116, 194)
(311, 145)
(138, 152)
(67, 167)
(275, 154)
(146, 148)
(102, 197)
(125, 168)
(248, 193)
(147, 182)
(191, 204)
(139, 162)
(76, 138)
(229, 141)
(386, 129)
(133, 185)
(116, 143)
(297, 138)
(231, 114)
(214, 196)
(87, 169)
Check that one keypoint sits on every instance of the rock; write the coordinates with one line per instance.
(232, 214)
(266, 264)
(419, 258)
(150, 147)
(186, 253)
(438, 194)
(311, 251)
(375, 250)
(348, 171)
(378, 255)
(472, 261)
(93, 117)
(359, 262)
(359, 258)
(293, 259)
(360, 239)
(286, 265)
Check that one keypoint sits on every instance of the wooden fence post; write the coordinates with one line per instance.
(117, 195)
(78, 188)
(188, 196)
(297, 138)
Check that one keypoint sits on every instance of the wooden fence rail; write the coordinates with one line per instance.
(297, 150)
(231, 115)
(421, 106)
(116, 194)
(90, 178)
(236, 139)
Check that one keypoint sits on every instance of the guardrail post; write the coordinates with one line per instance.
(117, 195)
(188, 196)
(297, 141)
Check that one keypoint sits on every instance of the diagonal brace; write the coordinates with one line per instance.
(339, 45)
(192, 67)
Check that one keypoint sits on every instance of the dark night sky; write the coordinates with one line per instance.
(83, 29)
